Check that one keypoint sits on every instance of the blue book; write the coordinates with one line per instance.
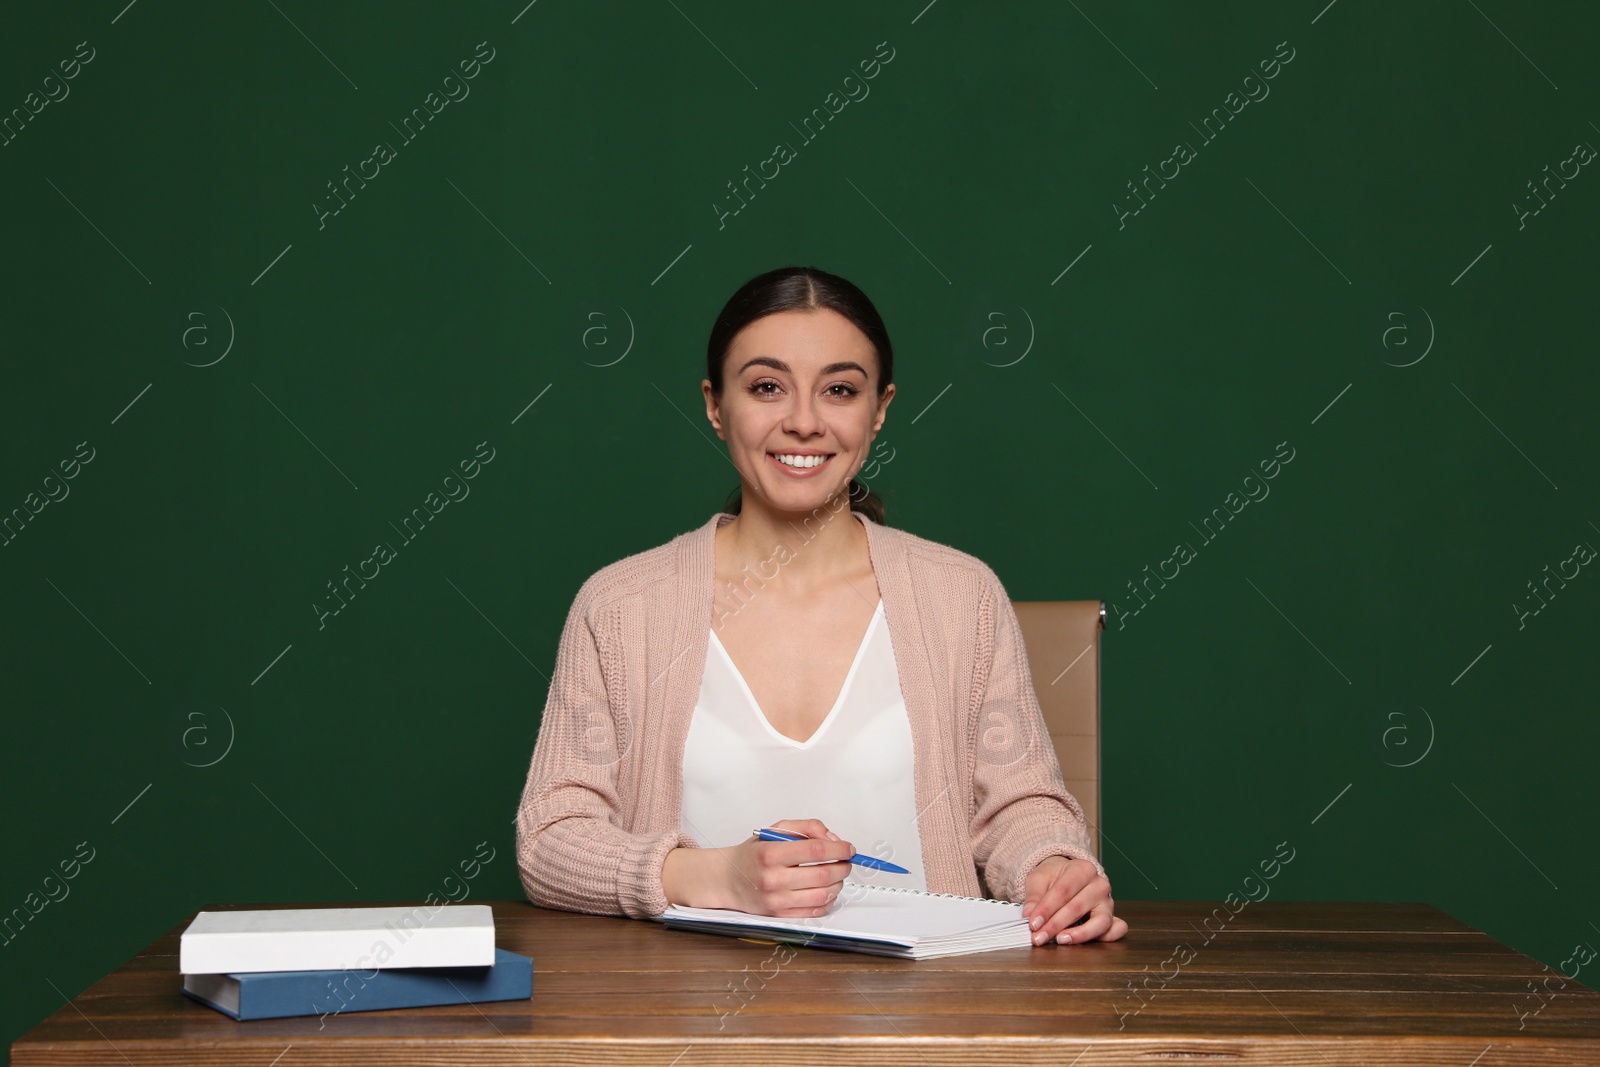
(278, 994)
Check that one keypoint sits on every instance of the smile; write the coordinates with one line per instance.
(797, 466)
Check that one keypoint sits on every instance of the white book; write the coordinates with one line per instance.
(879, 920)
(326, 939)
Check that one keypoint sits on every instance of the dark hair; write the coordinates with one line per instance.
(801, 289)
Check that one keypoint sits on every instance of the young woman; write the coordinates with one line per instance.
(796, 663)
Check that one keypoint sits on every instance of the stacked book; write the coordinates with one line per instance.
(326, 961)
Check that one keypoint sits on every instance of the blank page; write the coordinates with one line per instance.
(898, 916)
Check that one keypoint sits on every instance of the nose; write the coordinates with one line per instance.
(802, 417)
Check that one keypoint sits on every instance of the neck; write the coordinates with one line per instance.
(807, 548)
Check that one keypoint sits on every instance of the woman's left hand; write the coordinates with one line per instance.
(1059, 892)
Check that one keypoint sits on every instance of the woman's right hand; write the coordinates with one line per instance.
(787, 879)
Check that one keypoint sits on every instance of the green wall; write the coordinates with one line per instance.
(1341, 274)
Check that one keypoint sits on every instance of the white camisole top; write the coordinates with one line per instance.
(855, 774)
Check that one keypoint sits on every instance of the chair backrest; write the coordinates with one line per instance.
(1062, 638)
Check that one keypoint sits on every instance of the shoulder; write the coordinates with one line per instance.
(652, 570)
(941, 567)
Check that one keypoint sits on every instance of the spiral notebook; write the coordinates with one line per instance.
(879, 920)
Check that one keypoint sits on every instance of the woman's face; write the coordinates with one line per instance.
(801, 385)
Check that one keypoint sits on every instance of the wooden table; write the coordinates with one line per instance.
(1283, 983)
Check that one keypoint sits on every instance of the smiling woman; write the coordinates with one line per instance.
(852, 698)
(796, 313)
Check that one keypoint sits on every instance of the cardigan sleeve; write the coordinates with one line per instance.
(572, 853)
(1022, 812)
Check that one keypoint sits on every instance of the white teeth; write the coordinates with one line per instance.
(801, 461)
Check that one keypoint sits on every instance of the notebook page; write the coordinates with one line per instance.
(898, 916)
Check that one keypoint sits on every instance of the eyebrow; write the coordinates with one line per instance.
(778, 364)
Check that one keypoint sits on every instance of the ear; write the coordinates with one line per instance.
(712, 412)
(883, 407)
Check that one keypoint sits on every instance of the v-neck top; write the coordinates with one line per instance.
(855, 773)
(600, 809)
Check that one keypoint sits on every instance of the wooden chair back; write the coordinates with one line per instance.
(1062, 638)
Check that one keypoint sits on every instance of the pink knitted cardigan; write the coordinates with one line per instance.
(601, 807)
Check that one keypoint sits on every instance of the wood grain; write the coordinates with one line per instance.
(1283, 983)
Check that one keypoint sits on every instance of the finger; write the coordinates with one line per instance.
(1067, 888)
(806, 903)
(1049, 901)
(809, 827)
(1119, 929)
(807, 850)
(1040, 879)
(813, 829)
(1098, 923)
(819, 875)
(811, 853)
(1097, 891)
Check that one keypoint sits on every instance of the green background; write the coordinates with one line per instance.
(1360, 617)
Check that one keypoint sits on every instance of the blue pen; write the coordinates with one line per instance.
(858, 859)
